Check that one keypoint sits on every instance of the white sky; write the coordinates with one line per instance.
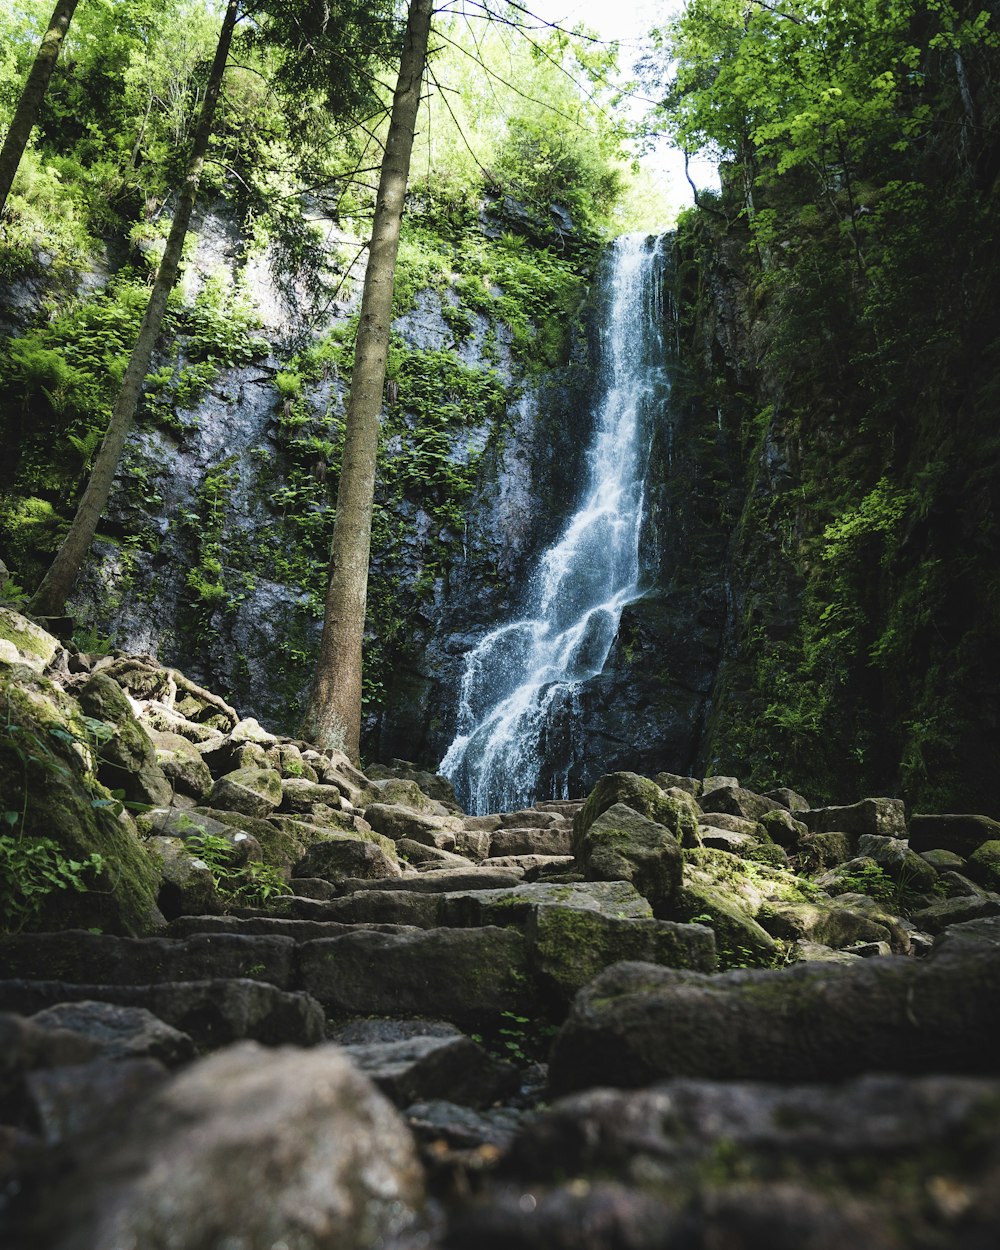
(629, 21)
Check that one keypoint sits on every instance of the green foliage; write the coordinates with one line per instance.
(31, 869)
(250, 884)
(855, 224)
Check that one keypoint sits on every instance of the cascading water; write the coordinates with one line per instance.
(520, 681)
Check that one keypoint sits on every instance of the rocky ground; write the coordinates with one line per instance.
(255, 999)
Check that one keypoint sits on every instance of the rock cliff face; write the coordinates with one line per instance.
(212, 554)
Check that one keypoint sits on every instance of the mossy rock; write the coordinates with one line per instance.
(676, 812)
(252, 791)
(281, 846)
(127, 758)
(24, 642)
(623, 845)
(571, 946)
(740, 941)
(984, 865)
(47, 777)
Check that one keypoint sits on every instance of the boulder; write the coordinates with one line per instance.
(230, 756)
(126, 756)
(782, 827)
(342, 856)
(675, 781)
(515, 906)
(253, 791)
(187, 884)
(730, 823)
(723, 840)
(719, 782)
(677, 814)
(433, 784)
(26, 1045)
(623, 845)
(825, 923)
(816, 851)
(885, 817)
(571, 945)
(24, 642)
(212, 1012)
(281, 1147)
(462, 975)
(943, 861)
(529, 818)
(421, 1067)
(872, 1163)
(401, 822)
(86, 958)
(182, 764)
(430, 857)
(301, 795)
(939, 916)
(65, 815)
(532, 840)
(952, 832)
(740, 940)
(403, 793)
(811, 1022)
(788, 798)
(444, 880)
(374, 908)
(737, 801)
(898, 861)
(287, 759)
(79, 1101)
(982, 932)
(984, 865)
(120, 1032)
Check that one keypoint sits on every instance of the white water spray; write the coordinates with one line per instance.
(521, 679)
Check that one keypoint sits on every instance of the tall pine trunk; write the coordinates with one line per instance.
(33, 94)
(50, 597)
(333, 713)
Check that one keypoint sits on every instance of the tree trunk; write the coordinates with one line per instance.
(333, 713)
(32, 96)
(50, 597)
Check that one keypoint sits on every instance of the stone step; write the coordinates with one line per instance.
(438, 880)
(557, 840)
(526, 949)
(212, 1012)
(99, 958)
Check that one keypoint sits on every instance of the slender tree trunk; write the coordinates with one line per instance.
(333, 714)
(50, 597)
(32, 96)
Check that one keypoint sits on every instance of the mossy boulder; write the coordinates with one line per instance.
(740, 941)
(885, 817)
(253, 791)
(677, 812)
(958, 832)
(984, 865)
(48, 781)
(24, 642)
(737, 801)
(187, 885)
(782, 827)
(126, 755)
(623, 845)
(350, 856)
(570, 946)
(894, 856)
(182, 764)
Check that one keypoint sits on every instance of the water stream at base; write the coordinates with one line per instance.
(521, 680)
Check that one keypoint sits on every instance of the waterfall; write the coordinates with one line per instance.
(520, 681)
